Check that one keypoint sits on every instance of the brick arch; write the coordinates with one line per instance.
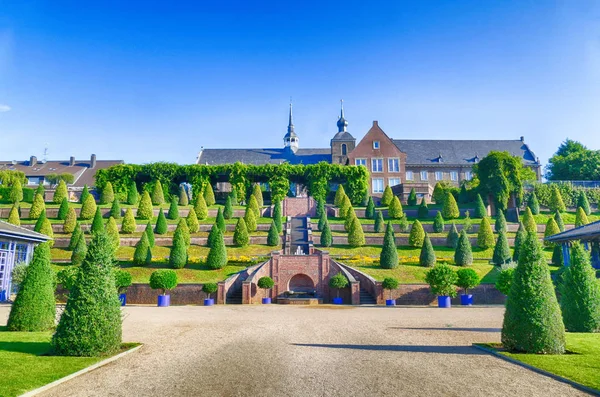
(301, 282)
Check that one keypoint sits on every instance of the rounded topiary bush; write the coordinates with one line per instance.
(504, 280)
(129, 225)
(390, 284)
(88, 208)
(417, 234)
(123, 280)
(467, 279)
(265, 282)
(442, 280)
(209, 288)
(395, 209)
(337, 282)
(164, 280)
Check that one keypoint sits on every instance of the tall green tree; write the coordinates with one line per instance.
(388, 259)
(574, 162)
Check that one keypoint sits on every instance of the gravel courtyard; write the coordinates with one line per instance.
(310, 351)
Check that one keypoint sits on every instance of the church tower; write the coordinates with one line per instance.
(290, 140)
(343, 142)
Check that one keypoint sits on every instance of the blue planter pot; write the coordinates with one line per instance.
(123, 299)
(338, 301)
(466, 300)
(444, 301)
(164, 300)
(266, 301)
(390, 302)
(2, 296)
(209, 302)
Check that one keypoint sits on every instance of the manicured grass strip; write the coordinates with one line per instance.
(568, 217)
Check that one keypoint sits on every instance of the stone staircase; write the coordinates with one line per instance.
(366, 298)
(299, 236)
(235, 298)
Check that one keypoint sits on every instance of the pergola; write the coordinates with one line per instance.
(16, 246)
(588, 235)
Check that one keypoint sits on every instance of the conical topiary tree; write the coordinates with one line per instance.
(326, 237)
(277, 216)
(500, 224)
(529, 221)
(423, 211)
(40, 221)
(142, 254)
(200, 207)
(388, 259)
(42, 191)
(192, 221)
(387, 197)
(60, 193)
(108, 194)
(145, 210)
(79, 251)
(98, 222)
(63, 209)
(452, 238)
(250, 219)
(519, 238)
(88, 208)
(450, 208)
(240, 234)
(128, 225)
(34, 308)
(580, 294)
(75, 237)
(16, 192)
(173, 213)
(534, 204)
(182, 228)
(253, 205)
(320, 208)
(178, 255)
(427, 257)
(439, 193)
(234, 197)
(559, 221)
(532, 320)
(132, 194)
(379, 223)
(365, 200)
(92, 300)
(395, 208)
(485, 237)
(480, 210)
(356, 236)
(161, 223)
(150, 234)
(557, 256)
(217, 256)
(273, 236)
(112, 231)
(257, 193)
(13, 216)
(583, 202)
(212, 235)
(115, 209)
(581, 218)
(183, 197)
(370, 210)
(228, 209)
(463, 254)
(463, 195)
(417, 234)
(322, 221)
(339, 196)
(220, 220)
(438, 223)
(551, 229)
(412, 197)
(37, 207)
(350, 215)
(344, 207)
(158, 197)
(209, 194)
(501, 250)
(45, 228)
(556, 202)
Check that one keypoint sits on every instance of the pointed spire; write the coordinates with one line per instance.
(342, 123)
(291, 121)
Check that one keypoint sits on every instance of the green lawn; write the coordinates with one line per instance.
(568, 217)
(581, 366)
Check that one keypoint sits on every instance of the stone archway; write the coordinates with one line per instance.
(301, 283)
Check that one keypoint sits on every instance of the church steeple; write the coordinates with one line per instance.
(342, 123)
(291, 121)
(290, 140)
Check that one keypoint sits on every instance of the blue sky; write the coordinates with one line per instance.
(155, 81)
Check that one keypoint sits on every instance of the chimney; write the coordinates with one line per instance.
(32, 161)
(375, 123)
(71, 161)
(93, 161)
(522, 139)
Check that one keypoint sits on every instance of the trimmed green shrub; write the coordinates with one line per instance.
(200, 207)
(88, 208)
(150, 234)
(485, 237)
(63, 209)
(183, 197)
(551, 229)
(387, 197)
(209, 195)
(228, 210)
(480, 210)
(112, 230)
(123, 280)
(339, 196)
(38, 207)
(128, 226)
(161, 223)
(467, 222)
(467, 279)
(322, 221)
(277, 215)
(79, 251)
(534, 204)
(13, 216)
(40, 222)
(178, 256)
(464, 196)
(217, 256)
(557, 256)
(257, 193)
(98, 222)
(438, 223)
(344, 206)
(211, 236)
(115, 209)
(84, 193)
(529, 221)
(273, 236)
(173, 213)
(132, 194)
(556, 202)
(501, 250)
(320, 208)
(504, 280)
(356, 236)
(370, 210)
(253, 205)
(145, 209)
(75, 236)
(463, 254)
(67, 278)
(337, 282)
(580, 293)
(532, 320)
(519, 238)
(240, 235)
(182, 228)
(390, 284)
(164, 280)
(250, 220)
(326, 237)
(42, 191)
(423, 211)
(158, 197)
(34, 308)
(16, 192)
(108, 194)
(559, 221)
(417, 234)
(220, 220)
(192, 221)
(234, 197)
(45, 228)
(350, 215)
(210, 288)
(395, 209)
(582, 201)
(388, 258)
(442, 280)
(439, 193)
(142, 254)
(412, 197)
(60, 193)
(265, 283)
(427, 257)
(379, 222)
(450, 208)
(500, 224)
(452, 238)
(581, 218)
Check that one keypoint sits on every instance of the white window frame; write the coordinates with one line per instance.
(468, 175)
(390, 180)
(391, 161)
(373, 185)
(373, 161)
(409, 176)
(361, 161)
(454, 176)
(439, 175)
(426, 174)
(376, 144)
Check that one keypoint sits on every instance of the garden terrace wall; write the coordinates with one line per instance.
(141, 226)
(420, 294)
(428, 227)
(360, 212)
(167, 241)
(52, 212)
(403, 240)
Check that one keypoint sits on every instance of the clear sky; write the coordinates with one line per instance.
(151, 81)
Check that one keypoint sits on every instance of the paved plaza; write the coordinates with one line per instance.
(310, 351)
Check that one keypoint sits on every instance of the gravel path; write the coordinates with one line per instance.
(305, 351)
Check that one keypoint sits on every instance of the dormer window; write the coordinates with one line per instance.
(375, 144)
